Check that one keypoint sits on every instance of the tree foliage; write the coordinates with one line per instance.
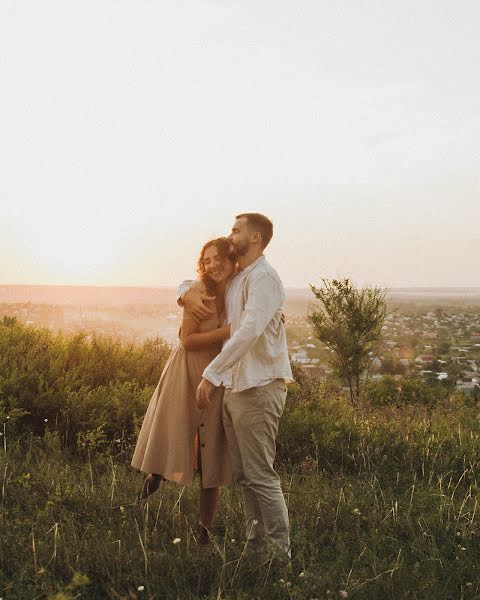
(349, 320)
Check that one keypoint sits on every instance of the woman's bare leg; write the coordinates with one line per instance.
(208, 508)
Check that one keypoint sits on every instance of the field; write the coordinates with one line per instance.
(383, 500)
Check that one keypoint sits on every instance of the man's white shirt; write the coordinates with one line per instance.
(256, 353)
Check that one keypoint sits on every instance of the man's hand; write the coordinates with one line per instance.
(204, 390)
(226, 332)
(193, 301)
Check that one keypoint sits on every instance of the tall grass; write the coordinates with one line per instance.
(383, 500)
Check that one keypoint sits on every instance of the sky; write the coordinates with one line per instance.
(132, 131)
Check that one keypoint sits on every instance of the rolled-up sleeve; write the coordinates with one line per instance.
(265, 297)
(182, 289)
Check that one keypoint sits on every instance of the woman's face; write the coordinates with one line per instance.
(217, 267)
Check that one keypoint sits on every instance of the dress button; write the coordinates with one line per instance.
(202, 445)
(202, 424)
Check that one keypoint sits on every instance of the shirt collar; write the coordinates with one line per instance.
(247, 270)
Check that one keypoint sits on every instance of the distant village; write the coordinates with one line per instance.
(441, 345)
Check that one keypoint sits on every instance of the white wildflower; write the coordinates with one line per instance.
(176, 541)
(140, 588)
(343, 594)
(302, 574)
(46, 420)
(254, 522)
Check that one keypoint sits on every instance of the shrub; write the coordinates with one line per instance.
(75, 384)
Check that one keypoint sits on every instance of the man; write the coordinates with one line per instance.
(254, 367)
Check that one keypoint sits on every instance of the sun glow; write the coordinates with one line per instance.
(73, 253)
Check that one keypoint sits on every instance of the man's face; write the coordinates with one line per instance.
(241, 236)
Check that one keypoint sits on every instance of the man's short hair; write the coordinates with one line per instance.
(259, 223)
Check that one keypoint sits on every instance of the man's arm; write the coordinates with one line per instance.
(192, 299)
(183, 289)
(265, 297)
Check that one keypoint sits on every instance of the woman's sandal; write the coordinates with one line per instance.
(150, 485)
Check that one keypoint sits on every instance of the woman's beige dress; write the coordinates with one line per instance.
(167, 441)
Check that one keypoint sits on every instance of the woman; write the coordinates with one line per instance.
(176, 437)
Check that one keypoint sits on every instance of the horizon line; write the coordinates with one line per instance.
(297, 287)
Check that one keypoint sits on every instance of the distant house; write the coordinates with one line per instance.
(468, 387)
(315, 371)
(424, 359)
(300, 357)
(442, 376)
(469, 376)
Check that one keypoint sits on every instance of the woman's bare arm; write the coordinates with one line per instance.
(193, 340)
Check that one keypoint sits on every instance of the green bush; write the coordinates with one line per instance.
(391, 391)
(321, 431)
(74, 384)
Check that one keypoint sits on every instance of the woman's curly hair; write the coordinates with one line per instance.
(224, 248)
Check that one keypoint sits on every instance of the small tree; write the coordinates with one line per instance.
(349, 322)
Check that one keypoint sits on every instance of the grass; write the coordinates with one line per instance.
(383, 499)
(70, 529)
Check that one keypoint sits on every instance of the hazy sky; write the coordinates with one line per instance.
(131, 131)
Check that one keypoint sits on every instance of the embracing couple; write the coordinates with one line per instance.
(218, 403)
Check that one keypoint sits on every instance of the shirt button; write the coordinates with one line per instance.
(202, 445)
(202, 424)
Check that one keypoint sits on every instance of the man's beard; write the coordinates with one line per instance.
(241, 250)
